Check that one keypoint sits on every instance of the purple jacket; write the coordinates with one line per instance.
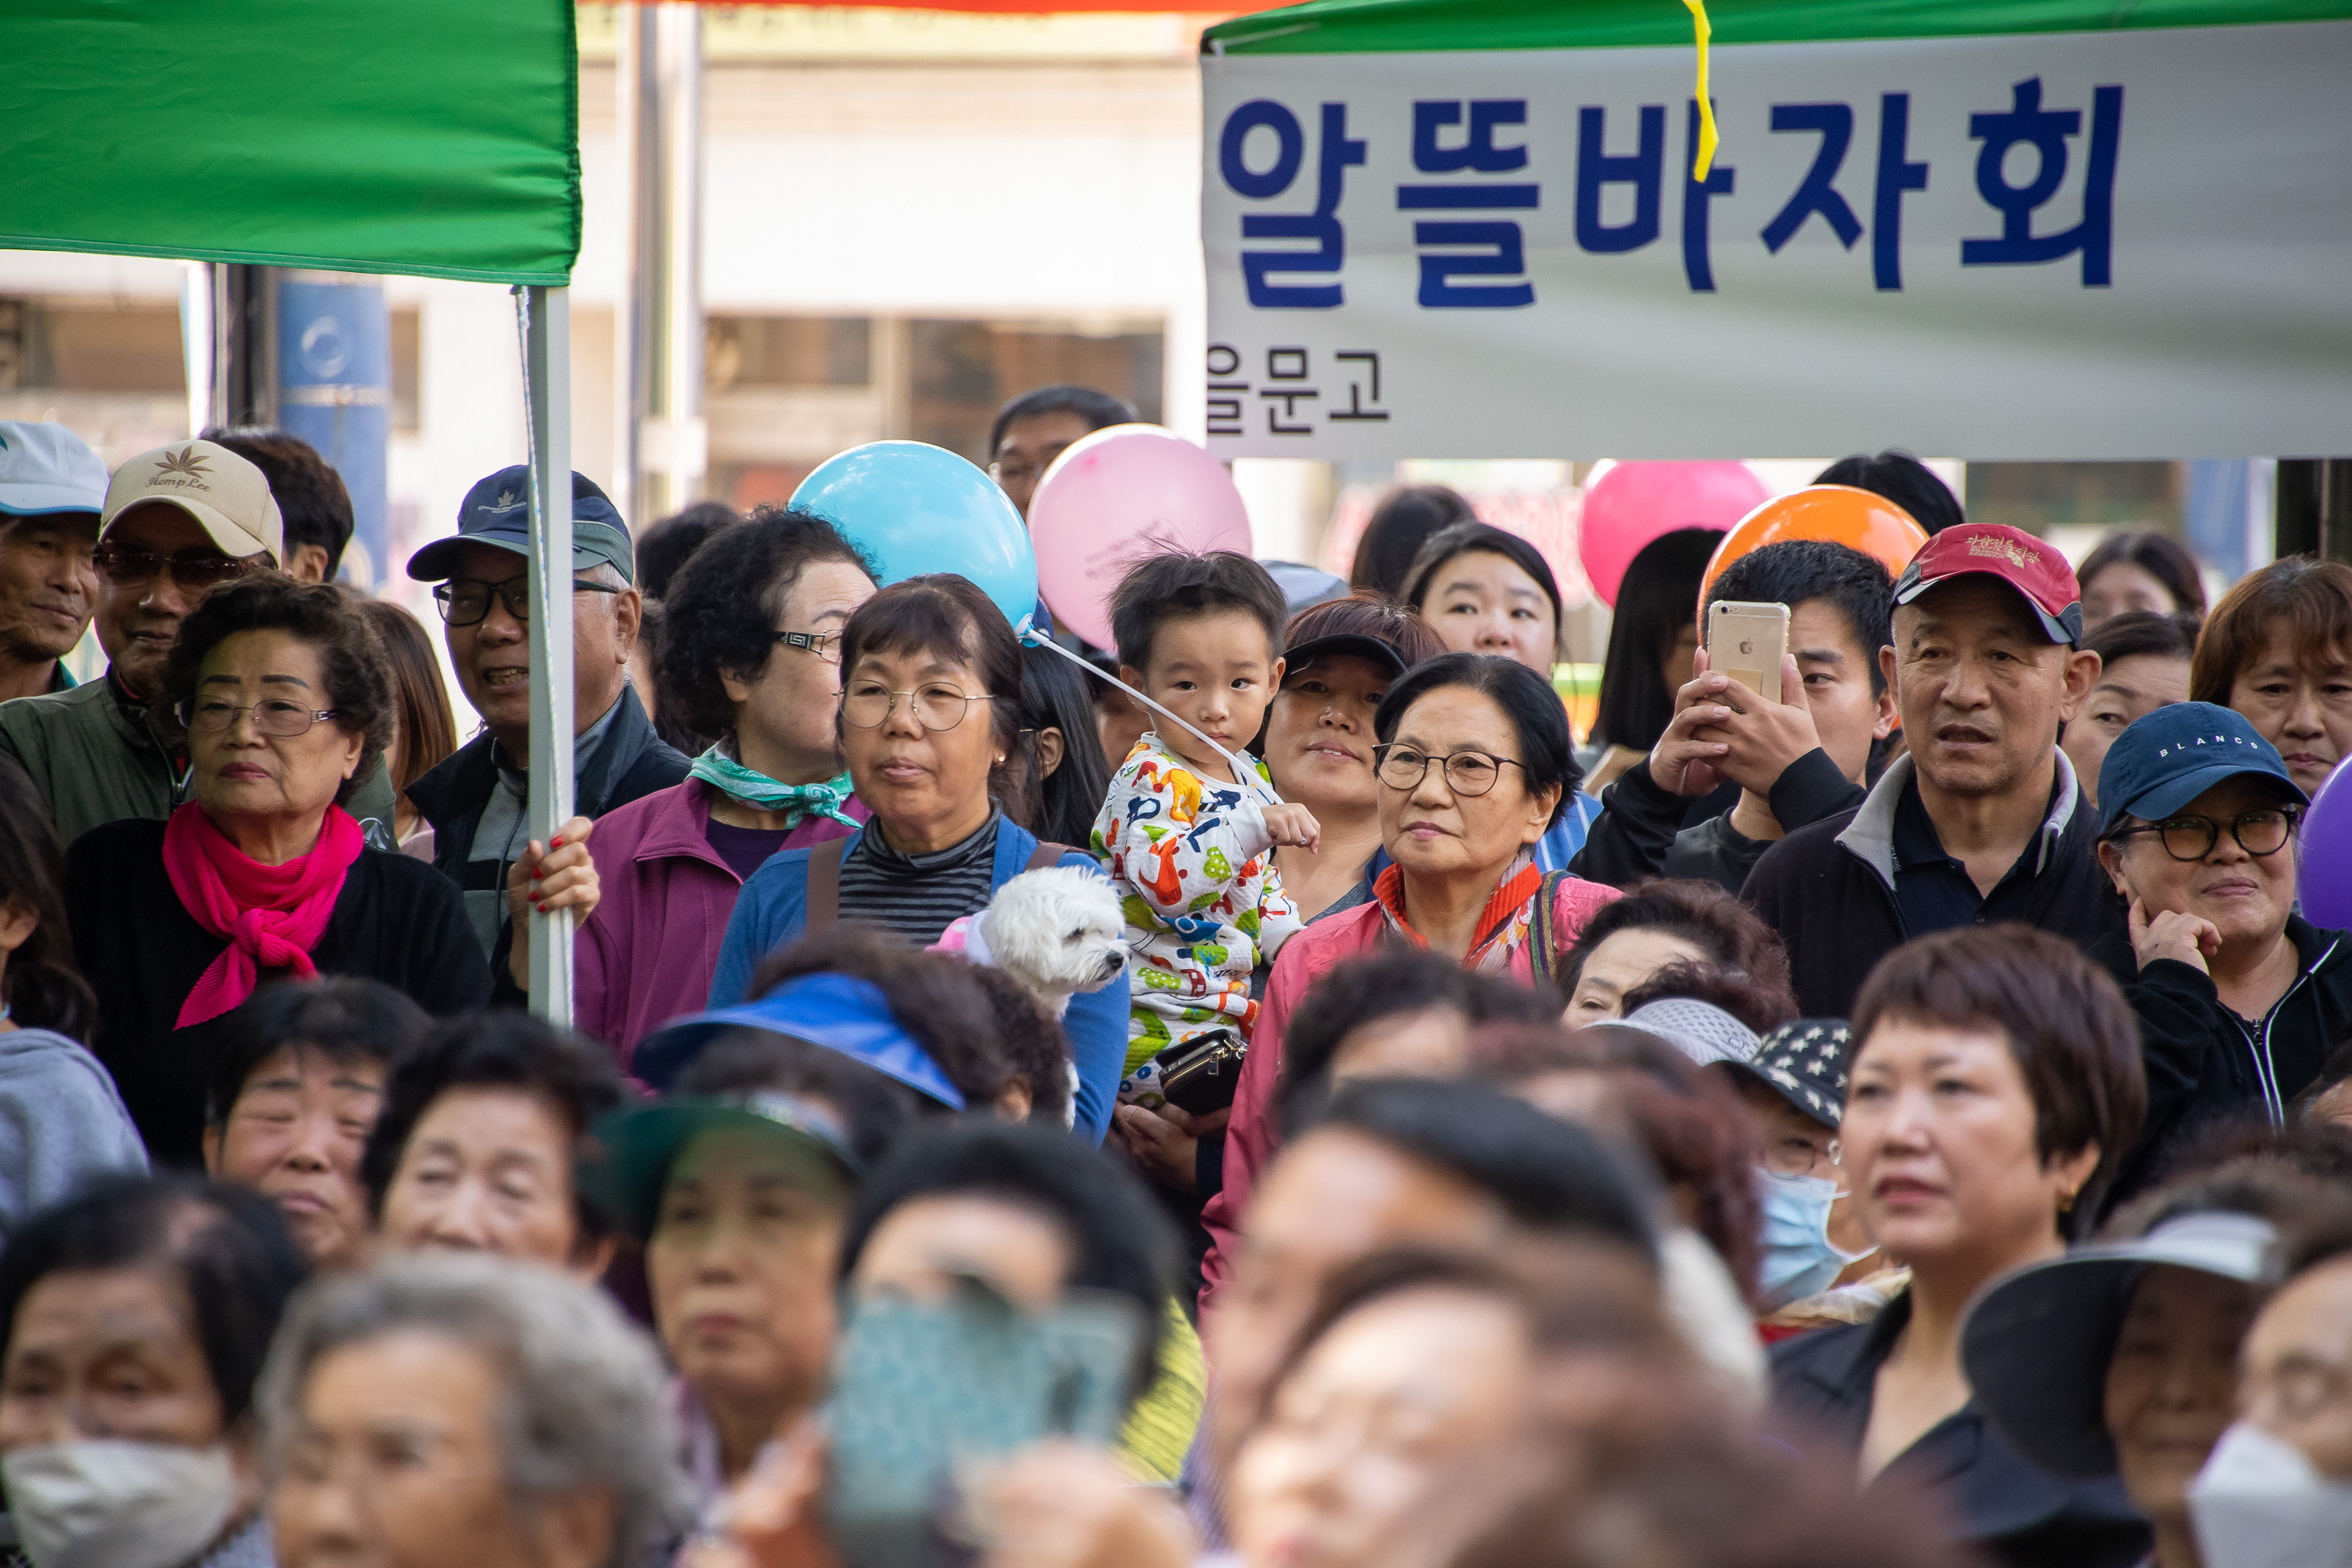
(645, 955)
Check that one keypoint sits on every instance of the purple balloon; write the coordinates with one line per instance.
(2326, 881)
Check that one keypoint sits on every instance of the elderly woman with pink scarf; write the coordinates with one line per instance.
(1474, 760)
(262, 875)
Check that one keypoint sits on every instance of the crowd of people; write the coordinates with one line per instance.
(1292, 1101)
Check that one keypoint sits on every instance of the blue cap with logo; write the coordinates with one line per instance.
(2169, 757)
(497, 512)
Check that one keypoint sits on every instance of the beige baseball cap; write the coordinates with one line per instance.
(227, 495)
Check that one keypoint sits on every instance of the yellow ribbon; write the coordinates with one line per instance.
(1706, 135)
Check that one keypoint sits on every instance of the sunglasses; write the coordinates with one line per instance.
(126, 566)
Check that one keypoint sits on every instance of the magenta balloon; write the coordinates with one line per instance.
(1636, 502)
(1115, 497)
(2326, 881)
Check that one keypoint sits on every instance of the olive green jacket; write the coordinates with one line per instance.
(96, 762)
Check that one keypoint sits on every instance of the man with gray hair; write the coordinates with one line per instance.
(479, 799)
(467, 1412)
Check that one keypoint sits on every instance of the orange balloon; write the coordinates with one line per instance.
(1840, 513)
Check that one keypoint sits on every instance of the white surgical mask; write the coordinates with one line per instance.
(2259, 1504)
(1798, 1260)
(102, 1503)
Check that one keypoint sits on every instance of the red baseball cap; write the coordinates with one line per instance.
(2035, 569)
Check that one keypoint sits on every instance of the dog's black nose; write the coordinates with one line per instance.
(1111, 966)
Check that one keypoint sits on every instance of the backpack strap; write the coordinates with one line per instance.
(1543, 938)
(1045, 854)
(824, 906)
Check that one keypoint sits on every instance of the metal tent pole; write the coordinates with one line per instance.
(661, 450)
(547, 395)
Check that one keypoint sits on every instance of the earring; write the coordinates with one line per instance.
(2067, 1204)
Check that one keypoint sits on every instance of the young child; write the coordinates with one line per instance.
(1185, 841)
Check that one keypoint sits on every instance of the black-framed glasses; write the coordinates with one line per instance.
(197, 571)
(274, 717)
(826, 646)
(1790, 1155)
(936, 706)
(2258, 833)
(465, 601)
(1468, 774)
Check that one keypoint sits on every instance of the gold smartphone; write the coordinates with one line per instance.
(1747, 642)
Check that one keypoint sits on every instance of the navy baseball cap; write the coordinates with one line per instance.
(1803, 1062)
(2167, 758)
(496, 512)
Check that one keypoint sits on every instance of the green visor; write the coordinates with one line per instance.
(634, 1149)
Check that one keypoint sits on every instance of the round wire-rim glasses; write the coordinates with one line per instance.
(1468, 774)
(935, 706)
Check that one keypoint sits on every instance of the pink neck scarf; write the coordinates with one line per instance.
(271, 915)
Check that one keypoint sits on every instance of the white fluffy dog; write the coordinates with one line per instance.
(1058, 932)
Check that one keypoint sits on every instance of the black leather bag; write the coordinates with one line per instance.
(1199, 1075)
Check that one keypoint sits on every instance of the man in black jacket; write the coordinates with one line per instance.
(1795, 761)
(2239, 998)
(479, 799)
(1982, 820)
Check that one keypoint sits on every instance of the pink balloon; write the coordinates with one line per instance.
(1637, 502)
(1115, 497)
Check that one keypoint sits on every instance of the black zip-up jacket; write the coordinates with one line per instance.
(1646, 829)
(1996, 1500)
(1829, 890)
(631, 761)
(2205, 1063)
(1639, 819)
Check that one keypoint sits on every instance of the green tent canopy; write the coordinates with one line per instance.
(434, 138)
(1367, 26)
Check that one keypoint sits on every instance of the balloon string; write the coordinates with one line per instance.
(1707, 139)
(1249, 775)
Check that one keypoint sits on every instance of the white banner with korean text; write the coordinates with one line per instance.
(2095, 246)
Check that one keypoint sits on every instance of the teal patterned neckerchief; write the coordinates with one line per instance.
(799, 803)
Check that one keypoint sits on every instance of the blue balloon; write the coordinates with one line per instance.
(915, 507)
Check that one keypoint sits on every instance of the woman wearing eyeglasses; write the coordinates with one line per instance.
(1473, 762)
(929, 719)
(179, 523)
(2238, 997)
(751, 655)
(263, 875)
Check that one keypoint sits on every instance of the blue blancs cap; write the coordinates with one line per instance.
(496, 512)
(2167, 758)
(838, 1012)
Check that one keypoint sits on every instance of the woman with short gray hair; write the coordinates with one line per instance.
(438, 1411)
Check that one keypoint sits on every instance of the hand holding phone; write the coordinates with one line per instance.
(1747, 641)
